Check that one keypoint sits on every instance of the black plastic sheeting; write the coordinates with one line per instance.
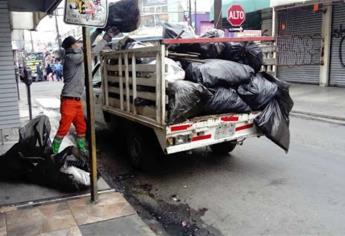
(31, 161)
(226, 100)
(258, 92)
(186, 100)
(274, 120)
(124, 15)
(219, 73)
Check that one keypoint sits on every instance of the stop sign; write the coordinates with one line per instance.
(236, 15)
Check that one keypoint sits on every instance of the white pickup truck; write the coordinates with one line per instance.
(146, 128)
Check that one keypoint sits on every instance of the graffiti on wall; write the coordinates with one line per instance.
(300, 50)
(339, 33)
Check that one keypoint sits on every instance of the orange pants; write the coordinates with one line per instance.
(71, 112)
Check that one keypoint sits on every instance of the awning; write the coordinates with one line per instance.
(25, 15)
(46, 6)
(248, 6)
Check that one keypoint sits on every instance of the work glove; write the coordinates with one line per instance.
(110, 33)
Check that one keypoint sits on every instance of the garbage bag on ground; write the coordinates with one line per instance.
(186, 100)
(30, 159)
(174, 72)
(248, 53)
(124, 15)
(226, 100)
(258, 92)
(219, 73)
(274, 120)
(34, 136)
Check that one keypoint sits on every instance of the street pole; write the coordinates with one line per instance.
(32, 42)
(190, 12)
(217, 14)
(195, 18)
(90, 112)
(57, 30)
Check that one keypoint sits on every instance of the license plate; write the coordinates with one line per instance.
(225, 130)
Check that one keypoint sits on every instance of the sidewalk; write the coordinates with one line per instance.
(28, 209)
(319, 102)
(111, 215)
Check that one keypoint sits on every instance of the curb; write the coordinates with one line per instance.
(319, 117)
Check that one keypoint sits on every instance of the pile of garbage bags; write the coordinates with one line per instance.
(31, 160)
(228, 80)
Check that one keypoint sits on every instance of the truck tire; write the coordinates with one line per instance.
(223, 148)
(142, 151)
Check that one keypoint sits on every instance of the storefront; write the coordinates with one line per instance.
(299, 44)
(337, 66)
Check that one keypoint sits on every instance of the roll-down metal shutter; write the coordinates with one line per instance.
(299, 45)
(9, 113)
(337, 68)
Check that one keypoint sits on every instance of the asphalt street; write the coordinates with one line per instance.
(257, 190)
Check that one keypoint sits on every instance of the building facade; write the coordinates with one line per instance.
(9, 112)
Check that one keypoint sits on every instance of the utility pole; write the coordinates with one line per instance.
(195, 18)
(217, 14)
(190, 12)
(32, 42)
(58, 36)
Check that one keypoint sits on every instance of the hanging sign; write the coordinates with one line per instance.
(86, 12)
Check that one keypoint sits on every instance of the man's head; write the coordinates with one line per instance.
(70, 42)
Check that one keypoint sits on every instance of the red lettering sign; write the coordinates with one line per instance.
(236, 15)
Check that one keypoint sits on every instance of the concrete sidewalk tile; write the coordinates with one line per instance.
(42, 219)
(2, 224)
(109, 206)
(73, 231)
(122, 226)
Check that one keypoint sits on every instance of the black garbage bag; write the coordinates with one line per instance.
(47, 173)
(273, 125)
(219, 73)
(274, 120)
(124, 15)
(186, 100)
(226, 100)
(213, 33)
(211, 50)
(33, 146)
(248, 53)
(258, 92)
(71, 156)
(34, 137)
(13, 164)
(283, 96)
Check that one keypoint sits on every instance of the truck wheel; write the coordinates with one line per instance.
(223, 148)
(143, 154)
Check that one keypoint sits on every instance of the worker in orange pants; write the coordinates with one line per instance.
(71, 107)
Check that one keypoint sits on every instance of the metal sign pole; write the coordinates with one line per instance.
(90, 112)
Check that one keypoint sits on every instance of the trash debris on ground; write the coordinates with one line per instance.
(31, 161)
